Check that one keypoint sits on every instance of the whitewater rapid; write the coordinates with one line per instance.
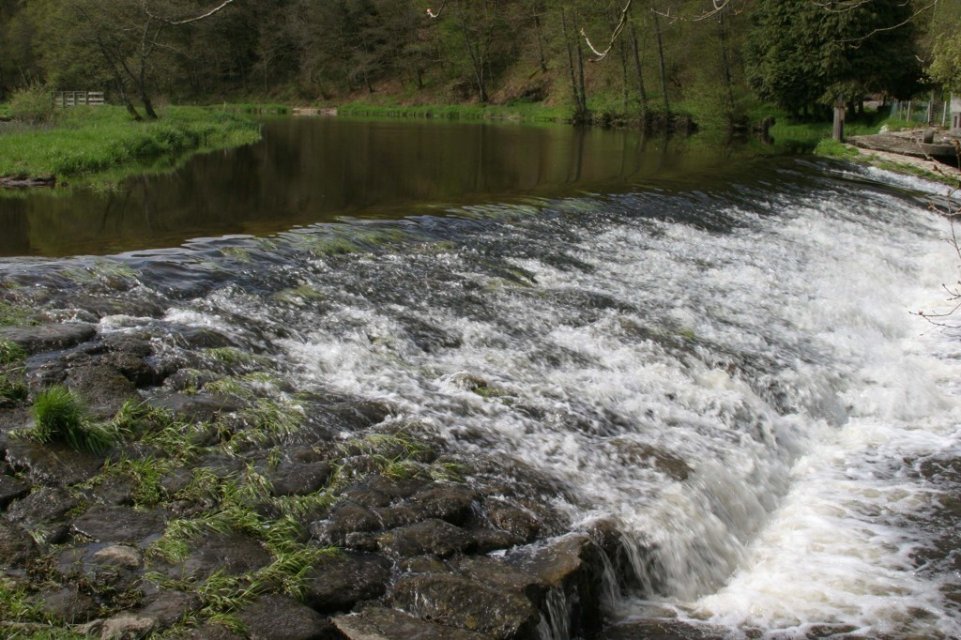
(738, 378)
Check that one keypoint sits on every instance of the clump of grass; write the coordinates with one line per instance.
(11, 352)
(61, 416)
(833, 149)
(12, 315)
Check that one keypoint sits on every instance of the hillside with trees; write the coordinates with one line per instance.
(699, 57)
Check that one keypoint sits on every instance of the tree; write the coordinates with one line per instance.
(802, 54)
(946, 61)
(127, 36)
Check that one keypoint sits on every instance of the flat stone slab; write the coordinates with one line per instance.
(52, 464)
(118, 524)
(467, 604)
(12, 489)
(390, 624)
(48, 337)
(338, 582)
(660, 630)
(435, 537)
(275, 617)
(16, 545)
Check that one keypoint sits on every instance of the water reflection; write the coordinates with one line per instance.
(313, 170)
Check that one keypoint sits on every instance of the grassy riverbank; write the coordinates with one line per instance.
(93, 145)
(519, 112)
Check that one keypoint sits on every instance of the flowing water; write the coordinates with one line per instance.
(731, 369)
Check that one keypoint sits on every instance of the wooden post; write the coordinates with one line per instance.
(837, 133)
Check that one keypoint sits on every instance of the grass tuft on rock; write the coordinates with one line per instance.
(60, 416)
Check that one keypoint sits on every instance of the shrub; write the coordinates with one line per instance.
(60, 416)
(34, 104)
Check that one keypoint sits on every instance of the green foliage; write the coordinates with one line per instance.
(32, 104)
(800, 54)
(946, 63)
(60, 416)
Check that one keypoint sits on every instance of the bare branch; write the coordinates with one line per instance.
(436, 14)
(220, 7)
(600, 55)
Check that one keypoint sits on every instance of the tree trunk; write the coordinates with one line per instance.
(575, 91)
(642, 91)
(837, 132)
(540, 39)
(660, 57)
(726, 65)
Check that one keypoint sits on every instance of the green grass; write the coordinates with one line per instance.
(61, 416)
(90, 143)
(520, 111)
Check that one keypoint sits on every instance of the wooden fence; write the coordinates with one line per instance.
(65, 99)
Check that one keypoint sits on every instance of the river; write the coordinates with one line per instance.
(720, 353)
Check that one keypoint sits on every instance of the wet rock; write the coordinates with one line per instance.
(338, 582)
(347, 517)
(135, 368)
(111, 523)
(572, 567)
(275, 617)
(231, 553)
(360, 541)
(432, 536)
(326, 416)
(126, 626)
(119, 555)
(96, 307)
(381, 491)
(16, 545)
(104, 388)
(11, 489)
(659, 630)
(201, 338)
(42, 507)
(210, 631)
(48, 337)
(68, 606)
(12, 418)
(390, 624)
(427, 337)
(512, 519)
(189, 380)
(138, 345)
(556, 562)
(81, 564)
(467, 604)
(202, 407)
(487, 540)
(451, 502)
(496, 573)
(295, 479)
(52, 464)
(644, 455)
(169, 607)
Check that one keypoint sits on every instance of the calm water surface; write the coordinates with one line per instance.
(315, 170)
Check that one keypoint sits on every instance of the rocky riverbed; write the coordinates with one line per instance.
(221, 512)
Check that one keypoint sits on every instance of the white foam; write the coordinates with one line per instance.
(779, 360)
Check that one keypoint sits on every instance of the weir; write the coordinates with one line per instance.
(735, 381)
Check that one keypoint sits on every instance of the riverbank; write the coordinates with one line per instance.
(102, 145)
(899, 163)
